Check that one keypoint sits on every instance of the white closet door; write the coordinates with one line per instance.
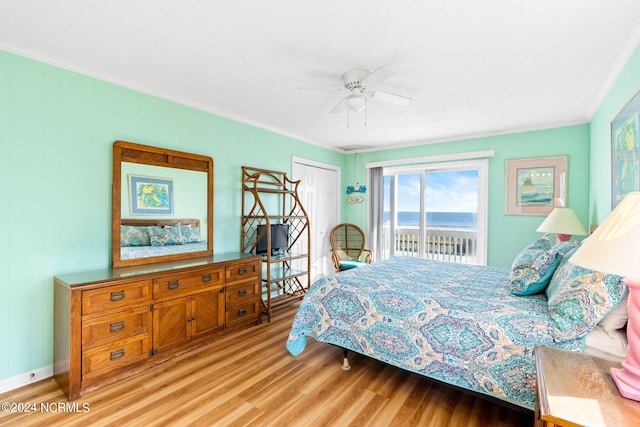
(320, 194)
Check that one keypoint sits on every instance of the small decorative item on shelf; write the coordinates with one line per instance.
(356, 189)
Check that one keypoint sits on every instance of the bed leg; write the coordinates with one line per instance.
(345, 361)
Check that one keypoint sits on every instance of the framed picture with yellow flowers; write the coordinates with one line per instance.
(150, 195)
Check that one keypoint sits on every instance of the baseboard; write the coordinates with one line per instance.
(26, 378)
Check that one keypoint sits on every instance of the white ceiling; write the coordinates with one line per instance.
(473, 67)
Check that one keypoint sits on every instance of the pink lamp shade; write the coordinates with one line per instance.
(563, 222)
(613, 249)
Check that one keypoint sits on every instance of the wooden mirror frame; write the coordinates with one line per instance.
(124, 151)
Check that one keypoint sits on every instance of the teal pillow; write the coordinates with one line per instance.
(348, 265)
(533, 268)
(134, 236)
(169, 235)
(579, 298)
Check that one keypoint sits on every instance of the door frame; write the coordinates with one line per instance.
(338, 170)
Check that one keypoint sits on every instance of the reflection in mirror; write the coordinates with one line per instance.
(162, 205)
(154, 189)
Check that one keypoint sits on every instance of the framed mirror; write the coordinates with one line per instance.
(162, 205)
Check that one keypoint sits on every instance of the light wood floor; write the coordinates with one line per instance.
(249, 378)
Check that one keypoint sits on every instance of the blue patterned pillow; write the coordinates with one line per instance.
(563, 247)
(580, 298)
(533, 267)
(190, 233)
(170, 235)
(134, 236)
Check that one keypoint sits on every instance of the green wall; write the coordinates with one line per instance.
(624, 88)
(507, 234)
(56, 134)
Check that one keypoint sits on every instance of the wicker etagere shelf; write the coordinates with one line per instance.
(269, 198)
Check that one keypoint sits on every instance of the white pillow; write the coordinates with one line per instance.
(610, 345)
(617, 318)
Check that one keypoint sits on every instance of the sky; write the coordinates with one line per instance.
(450, 191)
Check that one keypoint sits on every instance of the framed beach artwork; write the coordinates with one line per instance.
(150, 195)
(535, 186)
(625, 151)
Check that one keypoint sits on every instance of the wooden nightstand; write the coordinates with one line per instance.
(574, 389)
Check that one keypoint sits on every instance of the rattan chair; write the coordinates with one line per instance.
(347, 247)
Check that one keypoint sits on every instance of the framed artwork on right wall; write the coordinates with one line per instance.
(625, 151)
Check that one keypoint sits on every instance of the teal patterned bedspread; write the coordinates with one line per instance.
(131, 252)
(452, 322)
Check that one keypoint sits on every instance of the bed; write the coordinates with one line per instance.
(472, 327)
(142, 238)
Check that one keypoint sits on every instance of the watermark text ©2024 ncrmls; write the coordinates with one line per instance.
(45, 407)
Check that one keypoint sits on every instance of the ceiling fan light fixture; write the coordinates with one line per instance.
(356, 103)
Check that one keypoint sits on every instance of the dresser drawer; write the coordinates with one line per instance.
(242, 291)
(246, 312)
(108, 358)
(241, 271)
(181, 284)
(103, 330)
(115, 297)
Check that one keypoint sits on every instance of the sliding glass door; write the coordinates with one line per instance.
(436, 212)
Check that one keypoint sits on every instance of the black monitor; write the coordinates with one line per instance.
(279, 239)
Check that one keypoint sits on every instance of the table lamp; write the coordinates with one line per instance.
(563, 222)
(613, 249)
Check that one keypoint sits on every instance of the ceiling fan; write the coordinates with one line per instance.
(360, 85)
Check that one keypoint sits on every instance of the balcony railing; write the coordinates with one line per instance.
(445, 244)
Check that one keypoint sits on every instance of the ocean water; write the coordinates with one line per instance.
(466, 220)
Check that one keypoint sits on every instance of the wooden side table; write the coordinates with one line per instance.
(574, 389)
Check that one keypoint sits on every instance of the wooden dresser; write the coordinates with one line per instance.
(111, 323)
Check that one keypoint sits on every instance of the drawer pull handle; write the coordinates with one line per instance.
(116, 327)
(242, 292)
(242, 271)
(118, 354)
(206, 278)
(242, 312)
(117, 296)
(192, 318)
(175, 284)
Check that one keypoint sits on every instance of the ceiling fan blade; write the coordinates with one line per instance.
(376, 77)
(339, 107)
(323, 88)
(391, 98)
